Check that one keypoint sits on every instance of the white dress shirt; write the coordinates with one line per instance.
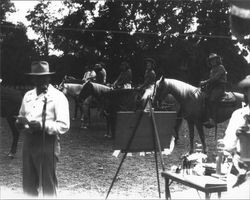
(230, 139)
(57, 110)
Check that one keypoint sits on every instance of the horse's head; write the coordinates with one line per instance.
(160, 91)
(70, 87)
(61, 85)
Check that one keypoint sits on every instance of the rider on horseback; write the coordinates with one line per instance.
(101, 73)
(215, 87)
(89, 74)
(124, 79)
(149, 80)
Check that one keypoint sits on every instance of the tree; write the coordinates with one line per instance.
(43, 23)
(163, 30)
(16, 49)
(6, 7)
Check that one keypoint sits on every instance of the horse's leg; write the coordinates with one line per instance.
(177, 127)
(81, 111)
(215, 132)
(108, 123)
(15, 135)
(191, 135)
(75, 109)
(202, 136)
(112, 124)
(86, 113)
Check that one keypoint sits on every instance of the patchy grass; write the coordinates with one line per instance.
(87, 167)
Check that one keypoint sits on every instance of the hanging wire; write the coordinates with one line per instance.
(135, 32)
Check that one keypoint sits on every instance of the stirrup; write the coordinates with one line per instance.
(209, 124)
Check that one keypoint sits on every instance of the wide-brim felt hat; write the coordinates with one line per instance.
(245, 82)
(39, 68)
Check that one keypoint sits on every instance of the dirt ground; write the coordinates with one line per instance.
(87, 166)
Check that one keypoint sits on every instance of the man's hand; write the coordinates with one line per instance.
(21, 122)
(242, 130)
(203, 83)
(35, 126)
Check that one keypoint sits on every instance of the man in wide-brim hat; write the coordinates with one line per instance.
(43, 116)
(40, 75)
(237, 130)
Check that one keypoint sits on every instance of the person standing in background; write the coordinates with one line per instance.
(43, 116)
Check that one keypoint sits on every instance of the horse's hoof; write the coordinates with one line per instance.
(84, 127)
(176, 141)
(108, 136)
(11, 155)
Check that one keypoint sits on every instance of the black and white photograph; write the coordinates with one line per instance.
(125, 99)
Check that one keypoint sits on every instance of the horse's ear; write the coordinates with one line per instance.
(162, 79)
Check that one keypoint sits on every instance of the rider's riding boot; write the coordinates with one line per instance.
(210, 123)
(210, 109)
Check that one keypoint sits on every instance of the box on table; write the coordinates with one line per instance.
(245, 146)
(144, 136)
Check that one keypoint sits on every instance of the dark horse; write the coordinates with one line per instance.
(110, 101)
(11, 100)
(191, 100)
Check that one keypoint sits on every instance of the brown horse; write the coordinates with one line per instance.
(191, 100)
(11, 100)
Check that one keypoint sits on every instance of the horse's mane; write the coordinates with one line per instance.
(184, 89)
(73, 80)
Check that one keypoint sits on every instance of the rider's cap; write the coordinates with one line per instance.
(212, 56)
(39, 68)
(151, 60)
(245, 82)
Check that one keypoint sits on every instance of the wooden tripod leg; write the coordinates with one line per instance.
(156, 135)
(156, 144)
(157, 174)
(126, 151)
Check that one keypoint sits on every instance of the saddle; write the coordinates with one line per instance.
(228, 99)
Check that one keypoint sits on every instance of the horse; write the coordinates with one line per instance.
(191, 100)
(11, 100)
(111, 101)
(72, 87)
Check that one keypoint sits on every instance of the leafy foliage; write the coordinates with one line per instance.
(43, 23)
(178, 34)
(6, 7)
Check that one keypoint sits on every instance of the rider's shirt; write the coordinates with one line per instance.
(89, 75)
(101, 76)
(149, 79)
(124, 78)
(218, 74)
